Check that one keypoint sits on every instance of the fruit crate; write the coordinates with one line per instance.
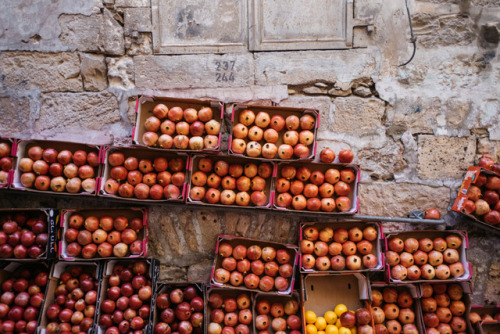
(197, 304)
(308, 232)
(322, 292)
(393, 294)
(489, 315)
(489, 328)
(263, 171)
(144, 109)
(110, 268)
(141, 244)
(31, 217)
(291, 312)
(288, 253)
(60, 269)
(298, 171)
(8, 149)
(309, 148)
(462, 269)
(220, 302)
(472, 177)
(110, 187)
(86, 186)
(40, 271)
(451, 292)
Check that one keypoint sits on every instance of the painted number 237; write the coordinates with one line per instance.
(224, 71)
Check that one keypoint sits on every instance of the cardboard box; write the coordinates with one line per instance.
(378, 245)
(322, 292)
(141, 153)
(276, 299)
(144, 109)
(471, 178)
(268, 190)
(13, 269)
(169, 287)
(432, 234)
(486, 326)
(6, 176)
(236, 110)
(322, 167)
(129, 213)
(48, 216)
(22, 151)
(153, 272)
(228, 293)
(415, 293)
(489, 328)
(57, 270)
(234, 241)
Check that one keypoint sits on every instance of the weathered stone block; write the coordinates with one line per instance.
(358, 116)
(121, 72)
(132, 3)
(209, 229)
(294, 68)
(200, 272)
(80, 110)
(438, 30)
(137, 19)
(172, 274)
(46, 72)
(207, 70)
(398, 199)
(17, 111)
(93, 69)
(381, 164)
(142, 45)
(444, 157)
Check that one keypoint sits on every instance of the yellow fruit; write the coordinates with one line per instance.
(320, 323)
(310, 317)
(321, 332)
(311, 329)
(339, 309)
(344, 330)
(331, 329)
(337, 323)
(354, 330)
(330, 317)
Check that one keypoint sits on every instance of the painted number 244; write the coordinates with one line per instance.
(224, 71)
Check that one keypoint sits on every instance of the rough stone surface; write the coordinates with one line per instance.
(121, 72)
(95, 110)
(17, 111)
(433, 31)
(362, 91)
(357, 115)
(137, 19)
(132, 3)
(200, 272)
(190, 71)
(383, 163)
(172, 274)
(444, 157)
(142, 45)
(41, 71)
(93, 70)
(398, 199)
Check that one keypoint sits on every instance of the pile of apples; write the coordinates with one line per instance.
(21, 298)
(75, 301)
(393, 311)
(443, 308)
(280, 317)
(5, 162)
(230, 315)
(187, 129)
(63, 171)
(425, 258)
(125, 307)
(255, 267)
(483, 199)
(181, 310)
(217, 182)
(329, 249)
(145, 178)
(103, 236)
(266, 136)
(308, 188)
(23, 236)
(340, 320)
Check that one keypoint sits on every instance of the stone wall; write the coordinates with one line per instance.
(73, 69)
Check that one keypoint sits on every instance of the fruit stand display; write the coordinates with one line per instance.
(104, 234)
(71, 300)
(8, 148)
(229, 308)
(178, 124)
(275, 314)
(28, 234)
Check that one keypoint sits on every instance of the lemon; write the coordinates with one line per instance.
(321, 332)
(311, 329)
(320, 323)
(339, 309)
(330, 317)
(310, 317)
(344, 330)
(354, 330)
(337, 323)
(331, 329)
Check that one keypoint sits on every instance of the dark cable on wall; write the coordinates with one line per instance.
(413, 39)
